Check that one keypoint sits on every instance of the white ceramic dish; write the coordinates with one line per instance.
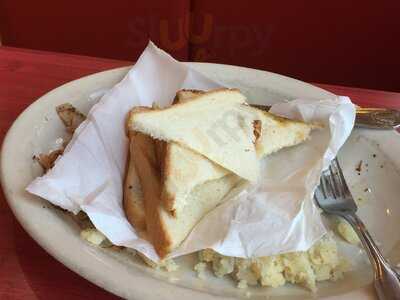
(38, 127)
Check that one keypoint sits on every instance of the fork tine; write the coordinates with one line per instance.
(318, 195)
(332, 183)
(325, 186)
(335, 181)
(339, 175)
(333, 195)
(321, 186)
(345, 186)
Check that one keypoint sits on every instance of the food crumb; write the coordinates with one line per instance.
(359, 166)
(93, 236)
(120, 248)
(361, 200)
(200, 268)
(367, 190)
(347, 232)
(242, 284)
(173, 279)
(170, 265)
(130, 251)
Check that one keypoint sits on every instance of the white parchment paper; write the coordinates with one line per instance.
(278, 215)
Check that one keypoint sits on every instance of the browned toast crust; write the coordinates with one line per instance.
(149, 172)
(133, 207)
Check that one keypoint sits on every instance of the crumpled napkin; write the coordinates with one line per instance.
(275, 216)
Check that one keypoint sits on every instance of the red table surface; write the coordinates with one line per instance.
(27, 271)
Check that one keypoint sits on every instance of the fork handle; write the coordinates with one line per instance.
(386, 279)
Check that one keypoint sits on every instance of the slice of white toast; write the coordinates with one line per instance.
(203, 198)
(278, 132)
(216, 124)
(165, 231)
(184, 169)
(274, 132)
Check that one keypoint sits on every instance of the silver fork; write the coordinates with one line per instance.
(334, 197)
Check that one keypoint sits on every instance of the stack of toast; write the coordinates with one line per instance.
(185, 159)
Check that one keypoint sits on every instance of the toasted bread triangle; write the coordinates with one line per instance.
(184, 169)
(216, 124)
(165, 231)
(278, 133)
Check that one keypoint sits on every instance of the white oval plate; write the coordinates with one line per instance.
(38, 127)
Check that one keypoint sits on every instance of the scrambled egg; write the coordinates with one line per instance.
(320, 263)
(168, 265)
(347, 232)
(96, 238)
(93, 236)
